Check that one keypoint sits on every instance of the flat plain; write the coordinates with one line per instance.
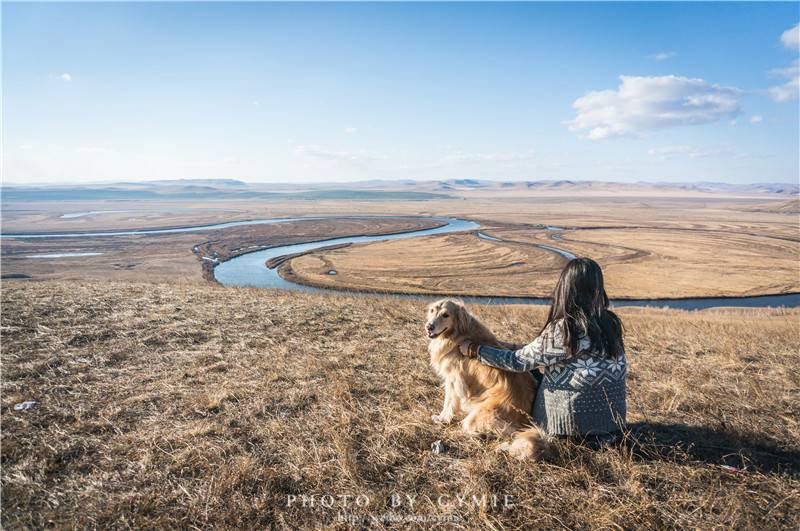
(652, 242)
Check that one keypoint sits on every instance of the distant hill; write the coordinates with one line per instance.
(765, 188)
(365, 195)
(75, 194)
(790, 206)
(377, 189)
(204, 192)
(569, 186)
(214, 183)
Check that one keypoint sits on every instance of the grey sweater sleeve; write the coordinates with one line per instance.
(547, 349)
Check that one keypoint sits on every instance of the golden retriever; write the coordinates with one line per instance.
(495, 401)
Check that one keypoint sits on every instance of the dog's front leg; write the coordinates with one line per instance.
(452, 403)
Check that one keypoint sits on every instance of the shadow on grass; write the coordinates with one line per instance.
(718, 447)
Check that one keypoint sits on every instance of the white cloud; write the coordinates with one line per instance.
(787, 92)
(644, 104)
(791, 37)
(785, 72)
(693, 152)
(351, 130)
(93, 150)
(207, 163)
(320, 153)
(65, 77)
(460, 157)
(791, 89)
(756, 119)
(670, 151)
(662, 56)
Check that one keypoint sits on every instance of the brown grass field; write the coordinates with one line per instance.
(638, 263)
(197, 406)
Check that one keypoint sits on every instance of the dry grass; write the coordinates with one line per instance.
(460, 263)
(178, 406)
(687, 262)
(641, 263)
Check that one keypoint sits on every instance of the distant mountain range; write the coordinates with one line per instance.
(761, 188)
(376, 189)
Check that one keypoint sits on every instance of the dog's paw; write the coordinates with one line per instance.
(439, 419)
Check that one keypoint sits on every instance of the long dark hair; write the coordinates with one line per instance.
(580, 300)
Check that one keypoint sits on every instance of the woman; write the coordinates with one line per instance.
(580, 350)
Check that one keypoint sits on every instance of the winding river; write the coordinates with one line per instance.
(250, 269)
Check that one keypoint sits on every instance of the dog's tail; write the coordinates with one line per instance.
(529, 443)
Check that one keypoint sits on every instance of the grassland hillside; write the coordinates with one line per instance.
(196, 406)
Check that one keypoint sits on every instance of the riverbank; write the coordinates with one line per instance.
(638, 264)
(177, 256)
(502, 270)
(784, 300)
(289, 233)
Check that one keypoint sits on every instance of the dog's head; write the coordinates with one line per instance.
(447, 318)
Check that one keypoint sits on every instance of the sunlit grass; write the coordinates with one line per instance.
(165, 406)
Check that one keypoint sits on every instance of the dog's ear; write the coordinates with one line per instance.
(462, 320)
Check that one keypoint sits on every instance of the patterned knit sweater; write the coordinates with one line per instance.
(579, 395)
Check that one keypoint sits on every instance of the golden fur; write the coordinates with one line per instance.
(495, 401)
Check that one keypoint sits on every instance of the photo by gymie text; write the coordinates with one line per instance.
(345, 501)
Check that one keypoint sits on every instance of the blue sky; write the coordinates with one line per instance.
(313, 92)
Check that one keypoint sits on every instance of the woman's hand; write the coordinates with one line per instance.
(469, 348)
(464, 347)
